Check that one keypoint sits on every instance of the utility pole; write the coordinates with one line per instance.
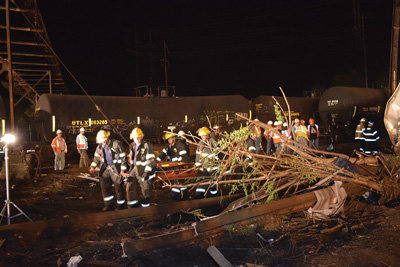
(10, 76)
(151, 60)
(395, 45)
(165, 65)
(137, 55)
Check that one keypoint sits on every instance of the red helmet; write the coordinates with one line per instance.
(311, 120)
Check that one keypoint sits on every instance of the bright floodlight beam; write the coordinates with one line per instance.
(8, 138)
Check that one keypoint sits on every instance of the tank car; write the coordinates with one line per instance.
(300, 107)
(350, 104)
(153, 114)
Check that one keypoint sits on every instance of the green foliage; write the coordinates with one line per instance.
(278, 113)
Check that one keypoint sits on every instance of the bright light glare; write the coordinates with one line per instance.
(8, 138)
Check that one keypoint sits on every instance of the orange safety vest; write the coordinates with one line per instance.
(276, 138)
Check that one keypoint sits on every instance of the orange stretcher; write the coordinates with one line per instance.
(167, 170)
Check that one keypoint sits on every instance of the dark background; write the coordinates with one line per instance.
(219, 47)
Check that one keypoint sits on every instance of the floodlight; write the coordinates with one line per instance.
(8, 138)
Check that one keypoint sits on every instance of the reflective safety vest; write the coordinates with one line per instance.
(118, 156)
(143, 159)
(285, 133)
(175, 153)
(81, 142)
(301, 131)
(276, 138)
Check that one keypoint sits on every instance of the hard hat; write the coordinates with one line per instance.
(102, 136)
(137, 132)
(168, 135)
(256, 119)
(280, 122)
(59, 131)
(82, 129)
(363, 120)
(181, 133)
(285, 124)
(270, 122)
(370, 123)
(203, 131)
(296, 120)
(216, 126)
(311, 120)
(275, 123)
(302, 121)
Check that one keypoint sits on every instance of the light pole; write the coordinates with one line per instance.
(7, 139)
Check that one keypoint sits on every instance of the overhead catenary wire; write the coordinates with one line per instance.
(71, 74)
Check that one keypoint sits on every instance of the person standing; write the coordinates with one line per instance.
(371, 138)
(256, 129)
(334, 131)
(141, 173)
(359, 136)
(205, 154)
(82, 147)
(277, 138)
(302, 134)
(109, 156)
(268, 137)
(175, 152)
(59, 147)
(313, 134)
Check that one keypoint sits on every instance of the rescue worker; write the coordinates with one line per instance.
(205, 154)
(215, 135)
(359, 136)
(276, 138)
(141, 155)
(256, 129)
(285, 133)
(313, 134)
(181, 139)
(294, 127)
(82, 147)
(371, 138)
(109, 156)
(59, 147)
(175, 152)
(302, 134)
(333, 129)
(268, 137)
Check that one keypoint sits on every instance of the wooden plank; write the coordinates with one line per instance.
(152, 212)
(216, 224)
(218, 257)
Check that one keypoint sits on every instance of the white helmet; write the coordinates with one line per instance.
(270, 122)
(285, 124)
(280, 123)
(82, 129)
(296, 120)
(276, 123)
(181, 133)
(59, 131)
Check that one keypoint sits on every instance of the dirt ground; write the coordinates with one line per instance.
(365, 235)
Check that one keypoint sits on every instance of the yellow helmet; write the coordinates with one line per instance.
(203, 131)
(102, 136)
(168, 135)
(137, 132)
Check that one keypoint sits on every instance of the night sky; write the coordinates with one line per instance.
(219, 47)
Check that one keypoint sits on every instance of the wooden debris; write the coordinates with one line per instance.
(218, 257)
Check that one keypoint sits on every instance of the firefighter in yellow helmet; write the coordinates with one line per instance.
(141, 172)
(205, 153)
(109, 156)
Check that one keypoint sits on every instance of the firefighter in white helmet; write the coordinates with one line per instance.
(174, 151)
(82, 147)
(205, 160)
(109, 156)
(141, 173)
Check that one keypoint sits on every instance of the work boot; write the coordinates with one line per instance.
(108, 208)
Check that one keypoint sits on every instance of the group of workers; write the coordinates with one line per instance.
(137, 169)
(306, 135)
